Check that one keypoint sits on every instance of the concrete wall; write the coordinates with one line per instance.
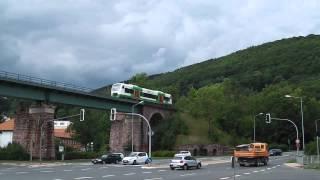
(5, 138)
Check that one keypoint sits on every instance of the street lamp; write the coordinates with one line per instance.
(132, 109)
(301, 109)
(315, 121)
(254, 126)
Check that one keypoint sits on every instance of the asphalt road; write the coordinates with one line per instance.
(220, 171)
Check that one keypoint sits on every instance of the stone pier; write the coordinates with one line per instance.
(27, 131)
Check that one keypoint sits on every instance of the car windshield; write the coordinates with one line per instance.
(104, 156)
(177, 158)
(133, 154)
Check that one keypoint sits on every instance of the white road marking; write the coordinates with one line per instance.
(262, 170)
(22, 172)
(83, 178)
(106, 176)
(86, 169)
(255, 171)
(246, 173)
(224, 178)
(46, 171)
(188, 174)
(67, 170)
(104, 167)
(237, 175)
(278, 165)
(154, 179)
(147, 172)
(162, 170)
(57, 179)
(129, 174)
(268, 168)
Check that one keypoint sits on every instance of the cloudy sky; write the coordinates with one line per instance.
(92, 43)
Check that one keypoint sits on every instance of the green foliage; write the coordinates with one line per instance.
(311, 148)
(13, 152)
(81, 155)
(163, 153)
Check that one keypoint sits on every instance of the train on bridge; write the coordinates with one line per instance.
(131, 91)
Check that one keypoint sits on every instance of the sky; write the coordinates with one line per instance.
(93, 43)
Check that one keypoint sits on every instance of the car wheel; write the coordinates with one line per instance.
(198, 166)
(134, 162)
(185, 167)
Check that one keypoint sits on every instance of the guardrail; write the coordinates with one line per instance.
(43, 82)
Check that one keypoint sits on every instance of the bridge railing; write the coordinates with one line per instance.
(43, 82)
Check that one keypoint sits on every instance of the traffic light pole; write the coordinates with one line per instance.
(297, 140)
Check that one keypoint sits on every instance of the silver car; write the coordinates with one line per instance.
(184, 162)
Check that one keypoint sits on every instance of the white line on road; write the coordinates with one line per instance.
(147, 172)
(162, 170)
(83, 178)
(57, 179)
(22, 172)
(224, 178)
(154, 179)
(255, 171)
(46, 171)
(246, 173)
(237, 175)
(106, 176)
(278, 165)
(262, 170)
(129, 174)
(67, 170)
(268, 168)
(104, 167)
(188, 174)
(86, 169)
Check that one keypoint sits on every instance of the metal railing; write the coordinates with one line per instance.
(43, 82)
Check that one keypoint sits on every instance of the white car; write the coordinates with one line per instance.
(183, 153)
(136, 158)
(184, 162)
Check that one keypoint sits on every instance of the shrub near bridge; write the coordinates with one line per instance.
(163, 153)
(13, 151)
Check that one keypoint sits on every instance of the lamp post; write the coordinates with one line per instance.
(254, 126)
(132, 109)
(315, 121)
(301, 111)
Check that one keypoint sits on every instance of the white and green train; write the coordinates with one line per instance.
(131, 91)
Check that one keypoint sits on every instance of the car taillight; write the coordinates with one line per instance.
(181, 161)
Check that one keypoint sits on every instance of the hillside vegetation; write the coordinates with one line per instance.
(218, 99)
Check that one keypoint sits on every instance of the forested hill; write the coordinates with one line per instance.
(224, 93)
(295, 59)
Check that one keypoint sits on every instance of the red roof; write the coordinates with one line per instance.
(62, 133)
(7, 125)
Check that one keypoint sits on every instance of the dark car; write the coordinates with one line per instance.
(275, 152)
(108, 159)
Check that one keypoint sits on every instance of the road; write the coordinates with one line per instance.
(213, 169)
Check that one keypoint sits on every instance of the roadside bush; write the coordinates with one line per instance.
(311, 148)
(163, 153)
(80, 155)
(13, 151)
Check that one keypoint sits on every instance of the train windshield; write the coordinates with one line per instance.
(116, 87)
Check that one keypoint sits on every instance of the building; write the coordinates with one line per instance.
(64, 135)
(6, 132)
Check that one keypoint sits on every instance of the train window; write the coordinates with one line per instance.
(130, 91)
(166, 99)
(149, 96)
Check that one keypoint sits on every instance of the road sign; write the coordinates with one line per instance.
(61, 148)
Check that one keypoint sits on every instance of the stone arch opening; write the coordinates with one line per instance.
(214, 152)
(155, 123)
(203, 152)
(195, 152)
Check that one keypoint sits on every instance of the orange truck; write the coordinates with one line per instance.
(254, 153)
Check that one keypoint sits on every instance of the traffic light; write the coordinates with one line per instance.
(82, 111)
(113, 114)
(268, 118)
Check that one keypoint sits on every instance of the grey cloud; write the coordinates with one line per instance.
(93, 43)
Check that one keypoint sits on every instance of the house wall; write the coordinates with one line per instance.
(5, 138)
